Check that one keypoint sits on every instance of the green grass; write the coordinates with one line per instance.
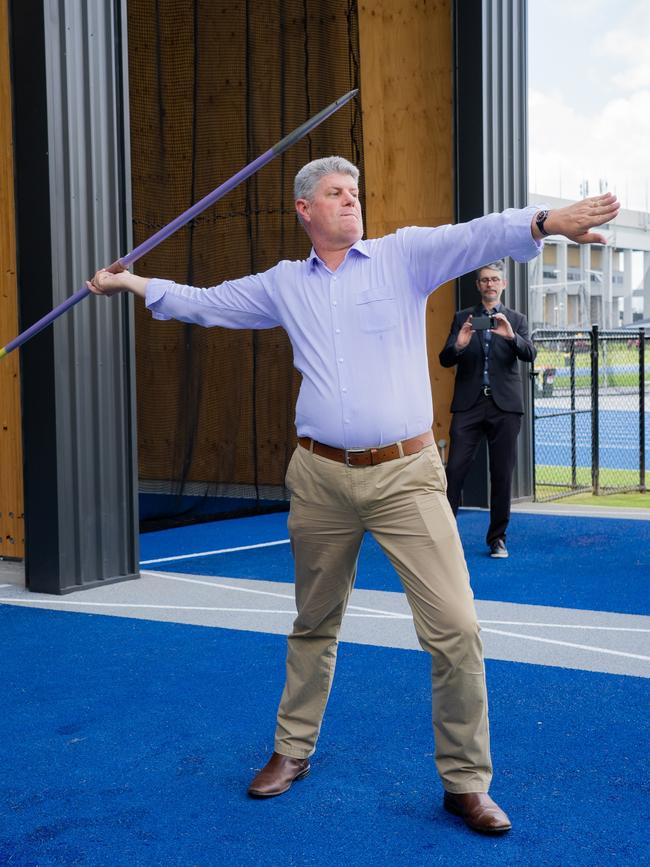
(613, 380)
(545, 475)
(547, 357)
(614, 356)
(633, 500)
(555, 482)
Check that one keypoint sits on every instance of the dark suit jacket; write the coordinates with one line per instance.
(505, 378)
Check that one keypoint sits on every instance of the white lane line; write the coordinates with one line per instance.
(363, 612)
(140, 605)
(169, 577)
(210, 553)
(566, 626)
(569, 644)
(8, 585)
(397, 615)
(71, 602)
(369, 613)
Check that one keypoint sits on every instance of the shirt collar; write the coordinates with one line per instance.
(359, 247)
(496, 309)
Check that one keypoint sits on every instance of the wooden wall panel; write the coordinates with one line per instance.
(406, 53)
(208, 94)
(12, 525)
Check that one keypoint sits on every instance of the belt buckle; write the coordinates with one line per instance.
(347, 452)
(487, 391)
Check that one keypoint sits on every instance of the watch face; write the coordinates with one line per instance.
(540, 220)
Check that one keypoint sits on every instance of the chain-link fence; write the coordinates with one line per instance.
(591, 396)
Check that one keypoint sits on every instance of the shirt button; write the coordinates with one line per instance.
(338, 330)
(340, 361)
(347, 421)
(333, 303)
(344, 389)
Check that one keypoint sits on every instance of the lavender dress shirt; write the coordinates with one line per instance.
(358, 333)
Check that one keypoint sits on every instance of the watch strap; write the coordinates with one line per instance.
(540, 219)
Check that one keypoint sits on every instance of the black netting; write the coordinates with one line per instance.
(212, 86)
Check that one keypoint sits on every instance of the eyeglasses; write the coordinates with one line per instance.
(485, 281)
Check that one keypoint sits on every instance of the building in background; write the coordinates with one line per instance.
(574, 286)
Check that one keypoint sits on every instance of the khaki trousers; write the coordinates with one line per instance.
(403, 504)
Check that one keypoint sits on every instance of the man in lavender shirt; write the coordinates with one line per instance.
(354, 311)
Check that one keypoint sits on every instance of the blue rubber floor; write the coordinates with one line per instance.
(129, 742)
(570, 562)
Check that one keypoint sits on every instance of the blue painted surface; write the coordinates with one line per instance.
(599, 564)
(132, 742)
(618, 439)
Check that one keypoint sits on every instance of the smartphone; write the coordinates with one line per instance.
(482, 323)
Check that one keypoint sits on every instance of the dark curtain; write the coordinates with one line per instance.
(212, 86)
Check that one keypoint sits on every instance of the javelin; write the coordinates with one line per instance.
(185, 217)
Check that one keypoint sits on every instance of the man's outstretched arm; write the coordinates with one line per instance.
(242, 303)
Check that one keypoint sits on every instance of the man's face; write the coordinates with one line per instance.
(490, 284)
(333, 216)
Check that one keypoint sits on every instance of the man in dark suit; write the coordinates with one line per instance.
(487, 396)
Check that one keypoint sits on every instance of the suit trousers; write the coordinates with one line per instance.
(403, 504)
(501, 430)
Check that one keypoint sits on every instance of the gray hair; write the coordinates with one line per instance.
(309, 175)
(499, 266)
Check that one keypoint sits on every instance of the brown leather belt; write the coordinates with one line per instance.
(368, 457)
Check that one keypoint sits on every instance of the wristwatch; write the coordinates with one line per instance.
(540, 219)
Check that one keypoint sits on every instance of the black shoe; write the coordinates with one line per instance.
(498, 549)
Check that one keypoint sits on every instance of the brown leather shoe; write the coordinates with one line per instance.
(479, 812)
(277, 776)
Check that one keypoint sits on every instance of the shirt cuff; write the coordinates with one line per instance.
(155, 294)
(535, 246)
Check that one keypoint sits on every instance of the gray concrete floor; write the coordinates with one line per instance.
(557, 508)
(541, 635)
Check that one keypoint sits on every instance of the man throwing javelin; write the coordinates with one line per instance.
(354, 311)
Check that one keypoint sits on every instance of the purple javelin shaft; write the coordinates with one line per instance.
(185, 217)
(44, 322)
(177, 223)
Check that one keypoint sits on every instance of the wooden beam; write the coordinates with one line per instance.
(407, 98)
(12, 524)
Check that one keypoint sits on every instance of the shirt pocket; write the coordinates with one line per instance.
(377, 309)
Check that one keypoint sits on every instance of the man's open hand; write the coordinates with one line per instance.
(576, 221)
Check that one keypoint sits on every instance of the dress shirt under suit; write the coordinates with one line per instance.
(505, 377)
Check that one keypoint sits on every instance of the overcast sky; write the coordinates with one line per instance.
(589, 98)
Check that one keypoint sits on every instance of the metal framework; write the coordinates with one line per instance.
(73, 216)
(491, 165)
